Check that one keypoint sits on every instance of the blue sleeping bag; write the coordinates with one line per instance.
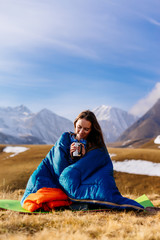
(89, 180)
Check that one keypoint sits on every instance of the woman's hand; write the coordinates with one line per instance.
(73, 148)
(83, 150)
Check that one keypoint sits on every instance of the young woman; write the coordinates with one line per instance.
(87, 128)
(86, 180)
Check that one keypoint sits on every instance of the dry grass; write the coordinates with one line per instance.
(150, 145)
(69, 225)
(132, 183)
(16, 170)
(152, 155)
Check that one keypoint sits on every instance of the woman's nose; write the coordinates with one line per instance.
(81, 131)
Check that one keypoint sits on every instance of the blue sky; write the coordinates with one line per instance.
(72, 55)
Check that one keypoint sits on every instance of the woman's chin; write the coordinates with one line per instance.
(78, 138)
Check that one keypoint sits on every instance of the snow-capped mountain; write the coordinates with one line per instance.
(20, 125)
(113, 121)
(48, 126)
(12, 120)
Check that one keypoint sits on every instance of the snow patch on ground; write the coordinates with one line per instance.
(112, 155)
(15, 150)
(141, 167)
(157, 140)
(126, 142)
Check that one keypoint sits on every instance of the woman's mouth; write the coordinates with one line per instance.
(80, 136)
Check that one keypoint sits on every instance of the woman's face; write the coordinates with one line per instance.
(83, 128)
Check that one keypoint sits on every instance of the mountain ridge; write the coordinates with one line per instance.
(45, 126)
(113, 121)
(20, 125)
(145, 128)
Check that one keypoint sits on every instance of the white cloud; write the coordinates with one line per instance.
(153, 21)
(78, 27)
(64, 26)
(143, 105)
(43, 41)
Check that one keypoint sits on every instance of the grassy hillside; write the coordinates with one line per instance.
(133, 183)
(68, 225)
(152, 155)
(16, 170)
(151, 145)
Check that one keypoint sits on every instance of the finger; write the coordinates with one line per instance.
(73, 149)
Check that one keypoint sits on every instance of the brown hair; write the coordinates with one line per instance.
(95, 137)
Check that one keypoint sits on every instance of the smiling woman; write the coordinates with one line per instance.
(83, 128)
(87, 127)
(88, 179)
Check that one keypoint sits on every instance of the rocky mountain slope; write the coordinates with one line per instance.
(145, 128)
(20, 126)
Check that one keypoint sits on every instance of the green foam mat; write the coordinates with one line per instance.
(144, 201)
(15, 205)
